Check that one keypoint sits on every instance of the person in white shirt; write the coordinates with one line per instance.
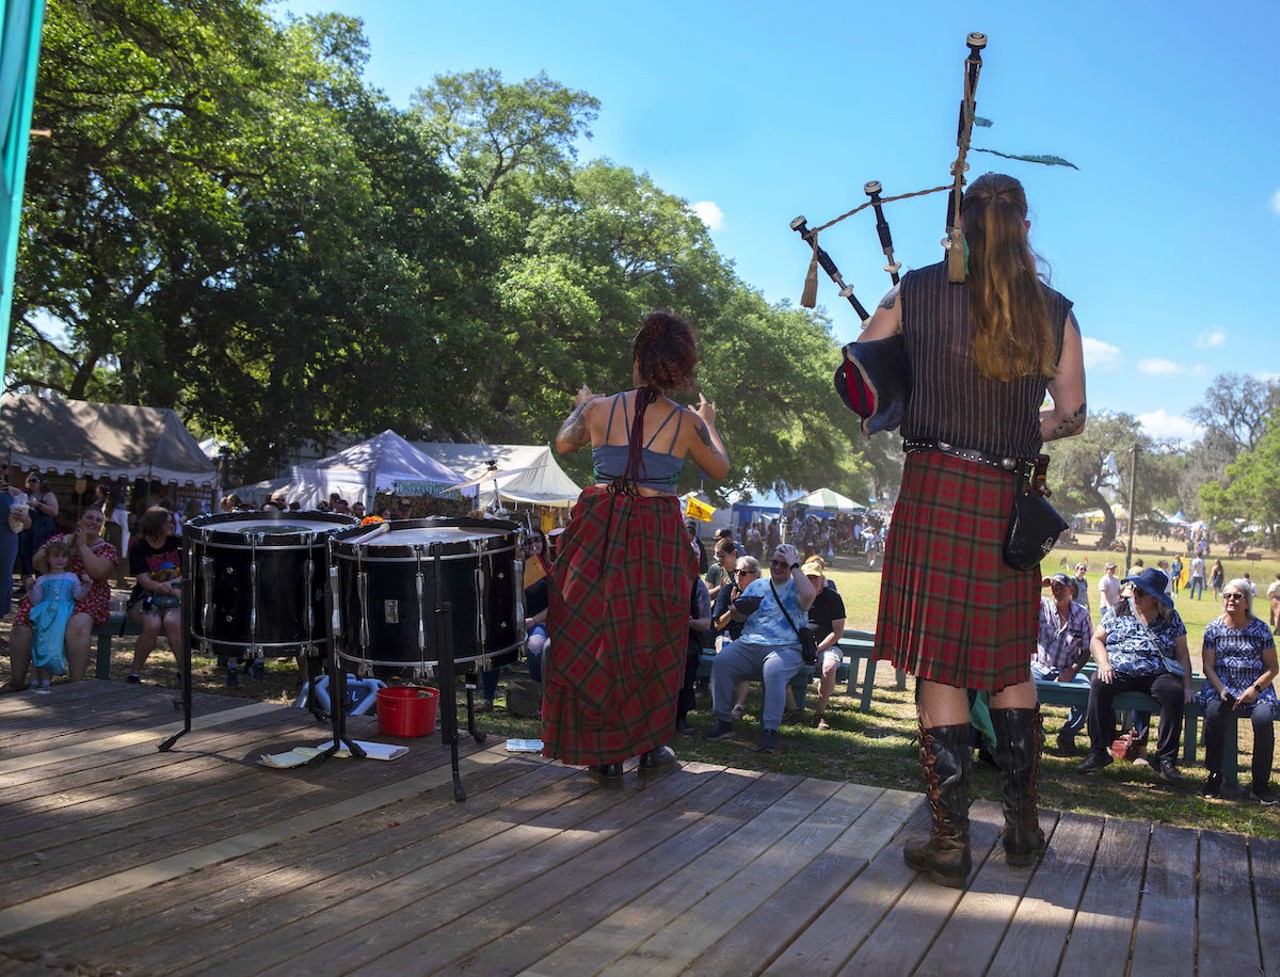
(1109, 589)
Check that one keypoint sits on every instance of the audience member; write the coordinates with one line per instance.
(1108, 589)
(155, 560)
(1062, 647)
(1140, 646)
(768, 646)
(14, 519)
(1239, 658)
(42, 507)
(827, 617)
(92, 555)
(53, 599)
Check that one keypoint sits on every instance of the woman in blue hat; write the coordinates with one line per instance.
(1140, 646)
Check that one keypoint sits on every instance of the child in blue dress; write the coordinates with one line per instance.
(53, 598)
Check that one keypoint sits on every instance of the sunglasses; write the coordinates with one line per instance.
(739, 573)
(779, 563)
(1233, 596)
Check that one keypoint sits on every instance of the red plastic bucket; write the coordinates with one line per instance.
(407, 711)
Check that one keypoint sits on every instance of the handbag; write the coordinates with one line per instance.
(1034, 525)
(808, 640)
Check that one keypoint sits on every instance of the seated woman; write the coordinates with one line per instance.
(1135, 646)
(155, 560)
(1239, 656)
(92, 555)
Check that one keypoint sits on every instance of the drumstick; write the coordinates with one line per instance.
(378, 530)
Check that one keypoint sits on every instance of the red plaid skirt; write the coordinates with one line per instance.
(951, 610)
(618, 620)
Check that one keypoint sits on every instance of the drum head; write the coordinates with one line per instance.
(269, 527)
(413, 538)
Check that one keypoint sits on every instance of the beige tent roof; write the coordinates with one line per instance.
(103, 441)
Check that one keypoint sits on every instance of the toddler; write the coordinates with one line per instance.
(53, 600)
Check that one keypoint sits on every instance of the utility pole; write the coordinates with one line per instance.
(1133, 491)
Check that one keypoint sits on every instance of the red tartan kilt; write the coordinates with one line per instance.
(951, 610)
(618, 620)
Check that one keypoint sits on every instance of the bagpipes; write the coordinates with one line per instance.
(875, 378)
(952, 243)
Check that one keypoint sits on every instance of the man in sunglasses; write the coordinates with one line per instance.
(768, 646)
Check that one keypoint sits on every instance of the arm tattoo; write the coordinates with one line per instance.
(705, 435)
(1069, 425)
(574, 428)
(890, 298)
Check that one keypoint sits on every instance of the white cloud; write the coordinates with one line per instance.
(1158, 368)
(1161, 424)
(1275, 201)
(1100, 357)
(1211, 338)
(709, 214)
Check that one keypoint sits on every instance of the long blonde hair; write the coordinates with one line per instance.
(1008, 317)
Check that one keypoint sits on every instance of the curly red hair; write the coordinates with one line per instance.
(665, 351)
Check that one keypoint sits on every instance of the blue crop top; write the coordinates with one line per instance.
(659, 470)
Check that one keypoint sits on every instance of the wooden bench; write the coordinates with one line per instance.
(855, 647)
(1076, 693)
(104, 634)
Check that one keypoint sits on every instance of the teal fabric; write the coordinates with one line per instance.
(19, 56)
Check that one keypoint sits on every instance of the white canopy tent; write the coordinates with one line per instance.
(384, 463)
(534, 476)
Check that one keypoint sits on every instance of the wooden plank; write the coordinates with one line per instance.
(1103, 927)
(156, 794)
(901, 939)
(1227, 940)
(75, 898)
(152, 734)
(720, 872)
(1165, 939)
(642, 853)
(688, 934)
(822, 948)
(1264, 859)
(972, 935)
(253, 733)
(1034, 940)
(874, 816)
(371, 917)
(224, 890)
(561, 922)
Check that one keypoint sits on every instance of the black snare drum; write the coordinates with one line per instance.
(390, 583)
(258, 580)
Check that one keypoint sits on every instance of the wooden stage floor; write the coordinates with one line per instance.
(116, 858)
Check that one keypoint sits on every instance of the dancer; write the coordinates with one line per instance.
(619, 606)
(982, 354)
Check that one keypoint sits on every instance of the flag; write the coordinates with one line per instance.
(1110, 471)
(695, 508)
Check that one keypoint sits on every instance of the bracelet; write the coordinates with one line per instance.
(795, 566)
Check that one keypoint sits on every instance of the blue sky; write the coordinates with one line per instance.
(1165, 238)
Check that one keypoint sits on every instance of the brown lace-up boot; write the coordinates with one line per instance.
(1019, 739)
(946, 755)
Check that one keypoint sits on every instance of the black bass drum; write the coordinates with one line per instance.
(258, 581)
(390, 580)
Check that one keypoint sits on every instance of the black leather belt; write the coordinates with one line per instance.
(969, 454)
